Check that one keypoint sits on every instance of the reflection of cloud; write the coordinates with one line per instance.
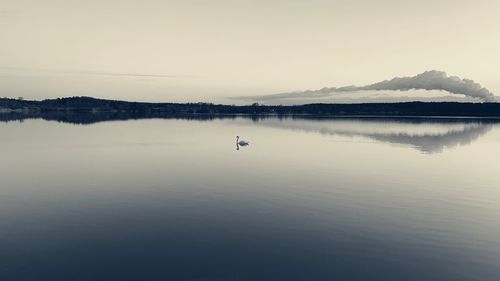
(426, 136)
(436, 143)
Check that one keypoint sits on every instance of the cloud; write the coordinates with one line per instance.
(77, 72)
(429, 80)
(7, 13)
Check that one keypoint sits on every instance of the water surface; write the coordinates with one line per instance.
(309, 199)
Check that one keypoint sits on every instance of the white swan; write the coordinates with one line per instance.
(241, 142)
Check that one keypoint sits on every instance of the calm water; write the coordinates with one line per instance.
(167, 199)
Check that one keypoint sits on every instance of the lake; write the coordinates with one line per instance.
(308, 199)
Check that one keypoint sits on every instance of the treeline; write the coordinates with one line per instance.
(92, 105)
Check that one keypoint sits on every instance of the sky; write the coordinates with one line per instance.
(192, 50)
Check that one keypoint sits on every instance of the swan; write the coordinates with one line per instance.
(241, 142)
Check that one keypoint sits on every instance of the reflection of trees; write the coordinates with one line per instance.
(95, 117)
(91, 118)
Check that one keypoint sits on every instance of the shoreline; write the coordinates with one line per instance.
(88, 105)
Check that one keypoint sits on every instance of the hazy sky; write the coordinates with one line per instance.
(185, 50)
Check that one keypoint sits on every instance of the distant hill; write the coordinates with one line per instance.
(90, 105)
